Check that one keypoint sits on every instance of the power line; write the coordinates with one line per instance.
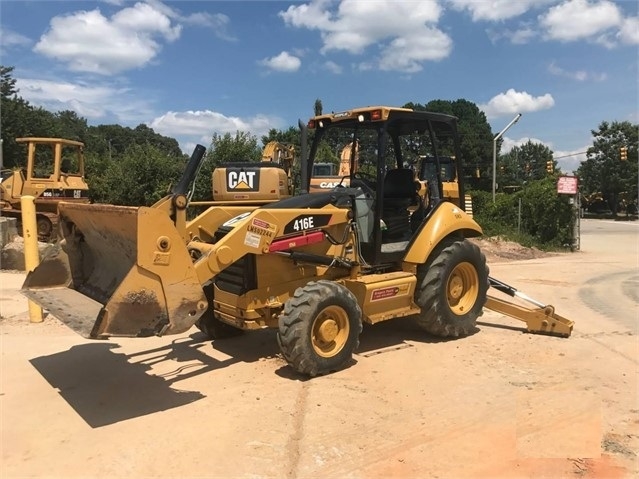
(572, 154)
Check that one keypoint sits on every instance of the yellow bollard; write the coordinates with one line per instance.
(31, 253)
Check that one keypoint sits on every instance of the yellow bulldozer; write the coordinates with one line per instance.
(313, 266)
(54, 172)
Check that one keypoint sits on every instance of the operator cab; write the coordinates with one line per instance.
(391, 204)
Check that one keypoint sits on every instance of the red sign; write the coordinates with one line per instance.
(567, 185)
(384, 293)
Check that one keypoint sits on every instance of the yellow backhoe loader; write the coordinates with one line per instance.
(313, 266)
(54, 173)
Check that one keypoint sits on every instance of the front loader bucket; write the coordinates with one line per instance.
(118, 271)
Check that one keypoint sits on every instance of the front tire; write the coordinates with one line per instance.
(319, 328)
(44, 227)
(212, 327)
(452, 288)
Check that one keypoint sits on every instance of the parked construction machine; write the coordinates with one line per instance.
(54, 172)
(324, 176)
(313, 266)
(254, 183)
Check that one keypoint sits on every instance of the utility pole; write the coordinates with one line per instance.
(514, 120)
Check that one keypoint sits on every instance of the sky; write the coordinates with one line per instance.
(189, 69)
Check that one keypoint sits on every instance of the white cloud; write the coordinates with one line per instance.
(92, 101)
(508, 143)
(579, 19)
(513, 102)
(218, 22)
(284, 62)
(309, 15)
(629, 32)
(578, 75)
(496, 10)
(404, 31)
(206, 122)
(524, 34)
(407, 53)
(89, 42)
(333, 67)
(10, 39)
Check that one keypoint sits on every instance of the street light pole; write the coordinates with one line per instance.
(513, 121)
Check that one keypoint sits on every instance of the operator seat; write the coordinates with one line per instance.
(399, 194)
(399, 188)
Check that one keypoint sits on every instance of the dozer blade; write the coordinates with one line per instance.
(118, 271)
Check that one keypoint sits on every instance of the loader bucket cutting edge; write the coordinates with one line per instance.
(119, 271)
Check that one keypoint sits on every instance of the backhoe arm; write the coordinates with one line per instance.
(542, 319)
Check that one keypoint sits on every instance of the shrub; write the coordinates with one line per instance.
(546, 219)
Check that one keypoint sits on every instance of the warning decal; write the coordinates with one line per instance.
(384, 293)
(252, 240)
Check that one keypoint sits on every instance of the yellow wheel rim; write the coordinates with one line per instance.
(462, 288)
(330, 331)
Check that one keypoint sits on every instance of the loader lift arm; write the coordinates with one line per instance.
(541, 320)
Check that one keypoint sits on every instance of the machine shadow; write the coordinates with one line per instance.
(105, 387)
(393, 334)
(502, 326)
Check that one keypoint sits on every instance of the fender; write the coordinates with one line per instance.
(447, 218)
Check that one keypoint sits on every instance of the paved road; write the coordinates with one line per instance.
(614, 292)
(498, 404)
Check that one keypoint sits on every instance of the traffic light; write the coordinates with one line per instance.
(550, 167)
(623, 153)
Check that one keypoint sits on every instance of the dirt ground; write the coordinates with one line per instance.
(499, 251)
(497, 404)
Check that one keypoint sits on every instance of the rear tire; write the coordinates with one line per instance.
(451, 291)
(319, 328)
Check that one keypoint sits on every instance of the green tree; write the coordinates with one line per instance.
(142, 175)
(317, 107)
(19, 119)
(70, 126)
(604, 171)
(292, 136)
(7, 82)
(476, 138)
(524, 163)
(113, 140)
